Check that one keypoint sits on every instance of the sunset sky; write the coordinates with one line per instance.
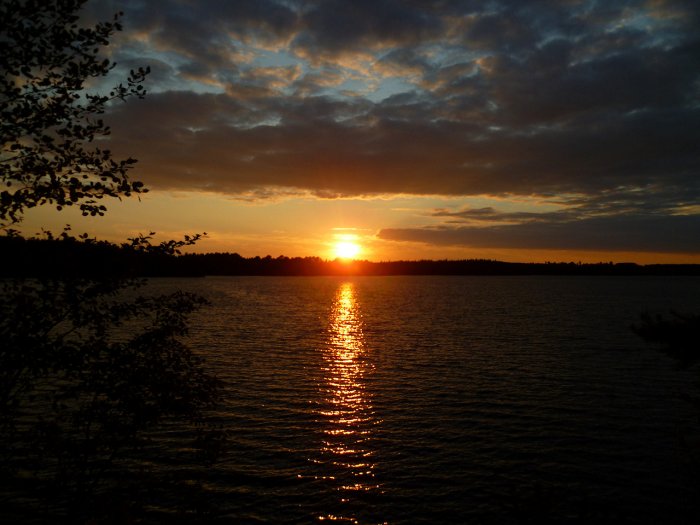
(513, 130)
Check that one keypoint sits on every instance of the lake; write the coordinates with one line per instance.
(447, 399)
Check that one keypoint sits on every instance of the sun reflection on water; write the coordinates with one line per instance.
(347, 413)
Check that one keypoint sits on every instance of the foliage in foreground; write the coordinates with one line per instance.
(91, 373)
(678, 335)
(91, 369)
(49, 120)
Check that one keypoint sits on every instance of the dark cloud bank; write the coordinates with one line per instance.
(596, 104)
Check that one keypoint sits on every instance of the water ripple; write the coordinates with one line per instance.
(447, 400)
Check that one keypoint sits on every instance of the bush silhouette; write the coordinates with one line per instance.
(90, 367)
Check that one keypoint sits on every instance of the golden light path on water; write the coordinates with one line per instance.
(347, 415)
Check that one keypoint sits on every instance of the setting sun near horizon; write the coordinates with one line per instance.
(346, 249)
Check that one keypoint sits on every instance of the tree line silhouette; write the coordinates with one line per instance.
(83, 257)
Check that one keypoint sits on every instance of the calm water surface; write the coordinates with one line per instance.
(447, 400)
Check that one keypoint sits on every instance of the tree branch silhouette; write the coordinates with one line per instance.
(48, 119)
(89, 367)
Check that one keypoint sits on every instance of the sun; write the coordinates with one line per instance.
(346, 250)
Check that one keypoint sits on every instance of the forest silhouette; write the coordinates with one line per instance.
(72, 256)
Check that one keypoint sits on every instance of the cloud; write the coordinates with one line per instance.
(492, 216)
(353, 146)
(336, 27)
(674, 234)
(643, 220)
(590, 101)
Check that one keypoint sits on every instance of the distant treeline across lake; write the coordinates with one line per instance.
(73, 258)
